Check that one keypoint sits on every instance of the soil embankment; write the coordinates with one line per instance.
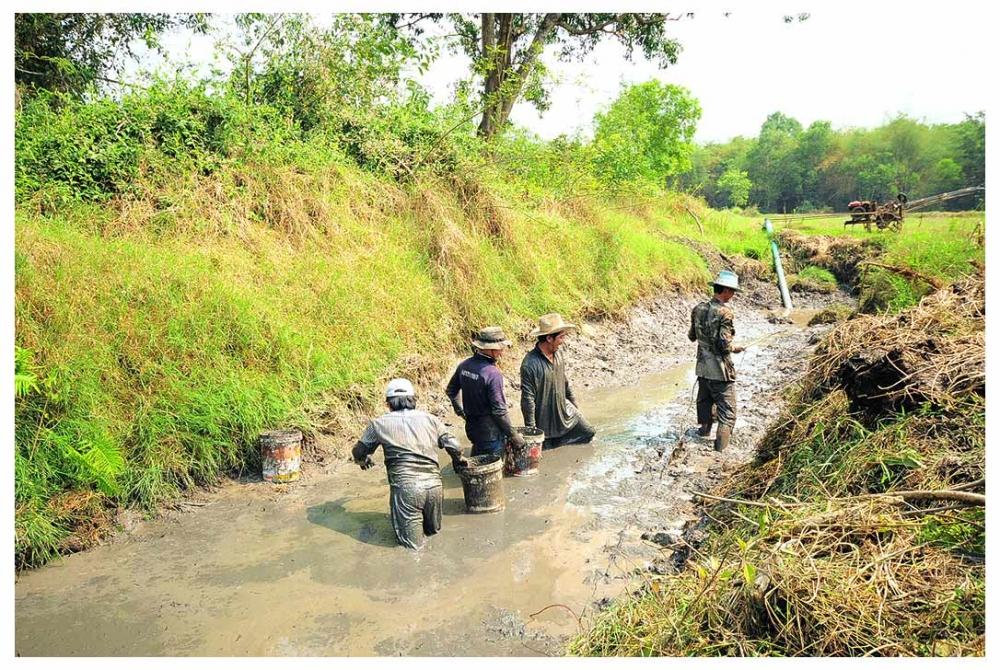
(312, 567)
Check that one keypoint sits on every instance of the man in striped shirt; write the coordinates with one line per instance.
(410, 439)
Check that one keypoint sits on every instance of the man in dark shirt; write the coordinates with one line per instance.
(547, 400)
(483, 404)
(712, 328)
(410, 439)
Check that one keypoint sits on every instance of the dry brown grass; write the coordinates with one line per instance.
(933, 353)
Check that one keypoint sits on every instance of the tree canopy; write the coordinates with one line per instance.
(71, 51)
(506, 49)
(647, 133)
(817, 168)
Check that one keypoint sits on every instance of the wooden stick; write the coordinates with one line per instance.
(696, 219)
(906, 272)
(957, 496)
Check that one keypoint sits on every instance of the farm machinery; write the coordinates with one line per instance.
(890, 214)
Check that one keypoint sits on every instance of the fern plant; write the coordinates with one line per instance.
(25, 379)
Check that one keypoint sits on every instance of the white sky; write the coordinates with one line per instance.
(852, 63)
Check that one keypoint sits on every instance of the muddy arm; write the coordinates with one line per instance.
(692, 335)
(448, 442)
(452, 391)
(528, 386)
(362, 454)
(365, 447)
(569, 394)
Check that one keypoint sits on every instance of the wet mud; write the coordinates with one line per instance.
(312, 567)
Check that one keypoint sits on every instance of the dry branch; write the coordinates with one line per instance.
(906, 272)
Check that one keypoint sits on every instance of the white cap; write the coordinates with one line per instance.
(398, 388)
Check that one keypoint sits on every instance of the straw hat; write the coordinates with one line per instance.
(727, 279)
(491, 337)
(551, 324)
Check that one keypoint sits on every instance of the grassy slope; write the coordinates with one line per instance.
(169, 331)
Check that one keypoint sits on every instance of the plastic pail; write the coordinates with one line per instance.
(523, 461)
(482, 484)
(281, 455)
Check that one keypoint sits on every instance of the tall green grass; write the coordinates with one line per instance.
(939, 246)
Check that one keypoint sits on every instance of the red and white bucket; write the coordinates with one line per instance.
(281, 455)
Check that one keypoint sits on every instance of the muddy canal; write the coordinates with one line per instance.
(312, 568)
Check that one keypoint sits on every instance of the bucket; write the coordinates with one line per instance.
(281, 455)
(482, 484)
(523, 461)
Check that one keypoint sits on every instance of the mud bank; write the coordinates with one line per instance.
(311, 568)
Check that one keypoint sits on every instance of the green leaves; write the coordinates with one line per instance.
(25, 380)
(646, 134)
(100, 461)
(736, 184)
(70, 52)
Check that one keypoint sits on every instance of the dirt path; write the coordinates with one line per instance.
(312, 568)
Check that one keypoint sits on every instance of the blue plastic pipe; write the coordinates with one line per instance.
(786, 299)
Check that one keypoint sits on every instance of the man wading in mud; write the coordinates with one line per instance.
(712, 327)
(547, 401)
(483, 404)
(409, 439)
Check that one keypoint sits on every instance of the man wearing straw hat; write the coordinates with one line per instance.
(712, 328)
(410, 439)
(483, 404)
(547, 401)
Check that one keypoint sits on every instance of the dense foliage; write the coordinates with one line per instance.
(647, 133)
(507, 50)
(791, 169)
(71, 52)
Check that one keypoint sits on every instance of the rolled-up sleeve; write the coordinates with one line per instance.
(367, 443)
(446, 440)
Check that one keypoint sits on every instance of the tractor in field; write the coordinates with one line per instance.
(883, 215)
(890, 214)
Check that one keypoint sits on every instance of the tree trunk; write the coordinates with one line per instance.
(492, 83)
(501, 91)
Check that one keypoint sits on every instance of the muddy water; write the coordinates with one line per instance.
(312, 568)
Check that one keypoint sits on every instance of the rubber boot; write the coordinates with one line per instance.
(722, 435)
(704, 429)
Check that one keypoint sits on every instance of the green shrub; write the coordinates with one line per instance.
(817, 275)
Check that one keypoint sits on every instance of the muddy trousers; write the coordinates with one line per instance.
(412, 509)
(581, 433)
(722, 395)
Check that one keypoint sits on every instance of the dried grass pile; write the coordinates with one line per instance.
(932, 353)
(860, 530)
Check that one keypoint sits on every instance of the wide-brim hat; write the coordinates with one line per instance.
(490, 338)
(727, 279)
(551, 324)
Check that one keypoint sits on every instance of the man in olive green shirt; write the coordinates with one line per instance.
(712, 327)
(547, 401)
